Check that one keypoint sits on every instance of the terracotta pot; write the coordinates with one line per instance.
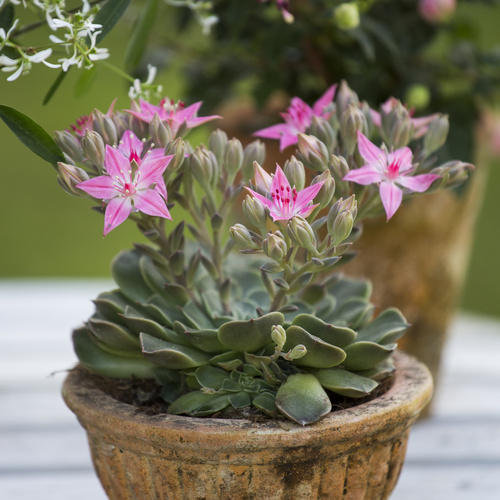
(355, 453)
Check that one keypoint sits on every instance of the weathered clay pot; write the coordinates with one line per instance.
(355, 453)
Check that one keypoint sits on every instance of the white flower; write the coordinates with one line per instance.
(4, 37)
(141, 90)
(24, 63)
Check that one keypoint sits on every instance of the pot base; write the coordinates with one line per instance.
(355, 453)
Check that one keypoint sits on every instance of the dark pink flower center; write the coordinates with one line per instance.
(129, 188)
(134, 157)
(393, 169)
(284, 198)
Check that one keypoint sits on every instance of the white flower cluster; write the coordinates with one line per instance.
(146, 90)
(76, 34)
(202, 11)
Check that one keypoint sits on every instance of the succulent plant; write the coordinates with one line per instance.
(273, 325)
(281, 362)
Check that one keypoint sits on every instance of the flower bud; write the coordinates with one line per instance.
(105, 127)
(278, 334)
(255, 212)
(436, 134)
(274, 246)
(71, 176)
(340, 206)
(338, 167)
(454, 173)
(352, 120)
(225, 290)
(217, 143)
(93, 148)
(321, 129)
(176, 148)
(202, 166)
(69, 144)
(295, 173)
(347, 16)
(325, 195)
(299, 351)
(233, 156)
(253, 152)
(160, 131)
(436, 11)
(313, 152)
(344, 98)
(397, 128)
(342, 227)
(241, 236)
(216, 221)
(302, 234)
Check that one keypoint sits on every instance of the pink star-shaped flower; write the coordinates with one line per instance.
(388, 170)
(175, 114)
(298, 118)
(128, 187)
(286, 202)
(131, 147)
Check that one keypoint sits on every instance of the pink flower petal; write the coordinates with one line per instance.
(403, 156)
(370, 153)
(128, 142)
(101, 187)
(151, 202)
(320, 105)
(306, 195)
(391, 197)
(273, 132)
(364, 175)
(150, 171)
(262, 179)
(418, 183)
(279, 181)
(117, 165)
(117, 211)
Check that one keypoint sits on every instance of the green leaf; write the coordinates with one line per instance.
(345, 383)
(302, 399)
(266, 403)
(7, 17)
(366, 355)
(114, 335)
(139, 37)
(210, 377)
(53, 88)
(31, 135)
(319, 354)
(240, 400)
(93, 357)
(251, 335)
(138, 324)
(204, 340)
(335, 335)
(386, 328)
(127, 275)
(172, 356)
(189, 403)
(109, 15)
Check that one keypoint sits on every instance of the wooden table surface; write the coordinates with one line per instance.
(453, 455)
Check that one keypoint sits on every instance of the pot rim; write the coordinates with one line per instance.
(102, 415)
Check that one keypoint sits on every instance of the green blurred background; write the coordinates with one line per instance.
(46, 233)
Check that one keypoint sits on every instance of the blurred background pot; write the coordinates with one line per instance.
(352, 453)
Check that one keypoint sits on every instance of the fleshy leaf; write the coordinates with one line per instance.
(266, 403)
(32, 135)
(302, 399)
(387, 328)
(251, 335)
(345, 383)
(210, 377)
(319, 353)
(94, 357)
(240, 400)
(335, 335)
(172, 356)
(365, 355)
(204, 340)
(189, 403)
(114, 335)
(127, 275)
(140, 324)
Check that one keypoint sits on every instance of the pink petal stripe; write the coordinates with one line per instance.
(403, 156)
(117, 166)
(418, 183)
(279, 180)
(324, 101)
(100, 187)
(306, 195)
(273, 132)
(391, 197)
(130, 141)
(364, 175)
(150, 202)
(151, 170)
(117, 211)
(370, 153)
